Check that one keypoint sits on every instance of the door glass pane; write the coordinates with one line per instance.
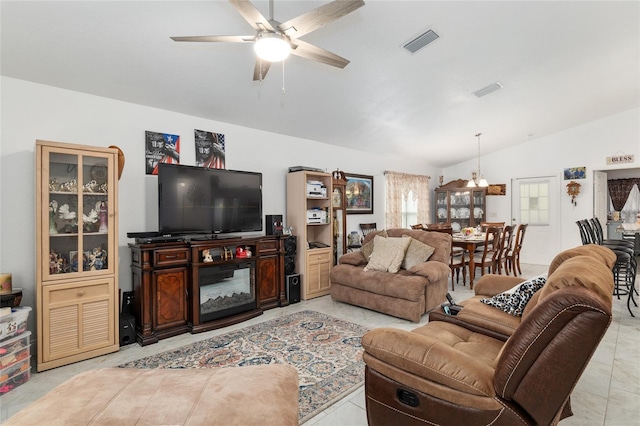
(95, 211)
(534, 203)
(63, 212)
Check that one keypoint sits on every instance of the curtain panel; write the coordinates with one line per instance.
(619, 190)
(399, 185)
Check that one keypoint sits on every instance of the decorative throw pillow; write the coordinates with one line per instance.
(417, 253)
(514, 300)
(367, 248)
(387, 254)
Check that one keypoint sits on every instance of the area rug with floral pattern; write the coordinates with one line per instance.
(326, 351)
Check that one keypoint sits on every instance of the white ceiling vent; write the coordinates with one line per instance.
(488, 89)
(421, 41)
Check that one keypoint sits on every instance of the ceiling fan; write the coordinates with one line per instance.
(272, 35)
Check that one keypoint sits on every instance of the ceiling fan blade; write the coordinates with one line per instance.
(252, 15)
(261, 69)
(225, 38)
(310, 51)
(319, 17)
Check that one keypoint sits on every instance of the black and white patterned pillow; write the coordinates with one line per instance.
(514, 301)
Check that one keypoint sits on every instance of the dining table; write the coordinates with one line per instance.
(470, 243)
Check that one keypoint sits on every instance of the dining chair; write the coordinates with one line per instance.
(506, 245)
(368, 227)
(626, 266)
(486, 259)
(483, 228)
(457, 260)
(584, 233)
(485, 225)
(513, 257)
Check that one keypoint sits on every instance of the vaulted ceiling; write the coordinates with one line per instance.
(561, 64)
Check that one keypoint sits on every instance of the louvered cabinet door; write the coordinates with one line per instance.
(78, 322)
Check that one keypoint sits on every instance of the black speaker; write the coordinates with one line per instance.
(290, 249)
(290, 245)
(127, 329)
(273, 224)
(127, 302)
(293, 287)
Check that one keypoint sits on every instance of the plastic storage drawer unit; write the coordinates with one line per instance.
(15, 323)
(15, 362)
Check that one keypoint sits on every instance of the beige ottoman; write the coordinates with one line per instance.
(255, 395)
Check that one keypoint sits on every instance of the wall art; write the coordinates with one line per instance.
(210, 149)
(497, 189)
(160, 148)
(575, 173)
(359, 194)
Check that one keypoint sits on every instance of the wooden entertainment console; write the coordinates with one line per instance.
(167, 287)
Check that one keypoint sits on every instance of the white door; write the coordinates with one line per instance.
(535, 201)
(600, 190)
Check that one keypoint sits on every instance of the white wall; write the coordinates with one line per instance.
(32, 111)
(586, 145)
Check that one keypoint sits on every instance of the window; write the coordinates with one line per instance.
(534, 203)
(409, 210)
(407, 200)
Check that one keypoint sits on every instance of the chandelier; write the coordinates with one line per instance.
(473, 183)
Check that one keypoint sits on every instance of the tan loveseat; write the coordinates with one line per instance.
(452, 373)
(406, 294)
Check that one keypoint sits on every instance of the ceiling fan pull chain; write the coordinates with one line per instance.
(283, 91)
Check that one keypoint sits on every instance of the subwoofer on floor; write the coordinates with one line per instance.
(127, 329)
(293, 283)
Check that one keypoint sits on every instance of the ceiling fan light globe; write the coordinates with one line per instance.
(272, 47)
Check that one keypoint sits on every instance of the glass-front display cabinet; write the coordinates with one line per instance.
(461, 206)
(339, 203)
(77, 252)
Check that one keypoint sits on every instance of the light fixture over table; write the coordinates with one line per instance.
(472, 182)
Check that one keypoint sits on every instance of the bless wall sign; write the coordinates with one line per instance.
(620, 159)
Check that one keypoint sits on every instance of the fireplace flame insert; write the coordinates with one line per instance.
(226, 290)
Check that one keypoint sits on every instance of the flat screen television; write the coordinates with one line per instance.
(195, 200)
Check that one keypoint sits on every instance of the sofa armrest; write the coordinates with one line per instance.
(434, 271)
(439, 315)
(426, 357)
(355, 258)
(492, 284)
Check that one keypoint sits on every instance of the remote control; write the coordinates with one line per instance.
(450, 299)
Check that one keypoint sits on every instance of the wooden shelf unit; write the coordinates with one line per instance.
(315, 239)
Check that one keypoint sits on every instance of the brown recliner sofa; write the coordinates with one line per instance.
(486, 319)
(407, 294)
(446, 373)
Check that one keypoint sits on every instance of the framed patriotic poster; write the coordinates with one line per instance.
(210, 149)
(160, 148)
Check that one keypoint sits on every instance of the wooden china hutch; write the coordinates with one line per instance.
(460, 206)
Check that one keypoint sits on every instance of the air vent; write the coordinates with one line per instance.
(421, 41)
(488, 89)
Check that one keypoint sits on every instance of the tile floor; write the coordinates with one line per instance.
(607, 394)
